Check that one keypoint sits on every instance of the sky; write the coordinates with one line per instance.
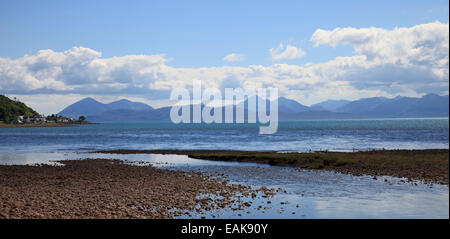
(53, 53)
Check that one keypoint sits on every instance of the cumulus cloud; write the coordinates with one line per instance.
(288, 53)
(407, 61)
(78, 70)
(424, 46)
(234, 57)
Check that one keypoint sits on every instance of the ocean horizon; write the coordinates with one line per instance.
(298, 136)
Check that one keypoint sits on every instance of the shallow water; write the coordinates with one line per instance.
(307, 193)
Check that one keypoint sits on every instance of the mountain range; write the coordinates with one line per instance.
(89, 106)
(430, 105)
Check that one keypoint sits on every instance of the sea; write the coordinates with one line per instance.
(299, 136)
(302, 193)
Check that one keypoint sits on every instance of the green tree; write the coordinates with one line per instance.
(10, 109)
(81, 118)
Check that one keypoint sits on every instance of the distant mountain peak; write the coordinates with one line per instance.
(330, 105)
(122, 100)
(88, 99)
(430, 95)
(430, 105)
(89, 106)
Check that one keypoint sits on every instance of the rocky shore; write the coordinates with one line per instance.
(104, 188)
(431, 166)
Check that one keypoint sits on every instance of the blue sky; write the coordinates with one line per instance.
(198, 33)
(53, 53)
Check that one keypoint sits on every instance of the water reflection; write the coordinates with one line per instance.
(10, 158)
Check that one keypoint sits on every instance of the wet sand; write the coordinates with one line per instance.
(430, 165)
(105, 188)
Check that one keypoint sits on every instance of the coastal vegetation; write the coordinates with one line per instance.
(14, 114)
(10, 110)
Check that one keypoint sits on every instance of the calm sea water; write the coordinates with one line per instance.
(337, 135)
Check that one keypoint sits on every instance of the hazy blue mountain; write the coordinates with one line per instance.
(126, 115)
(330, 105)
(288, 110)
(430, 105)
(86, 106)
(290, 106)
(284, 105)
(129, 105)
(89, 106)
(378, 107)
(363, 106)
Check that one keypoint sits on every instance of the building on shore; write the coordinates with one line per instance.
(22, 119)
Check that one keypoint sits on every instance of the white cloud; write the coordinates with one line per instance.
(234, 57)
(411, 59)
(423, 46)
(288, 53)
(407, 61)
(80, 70)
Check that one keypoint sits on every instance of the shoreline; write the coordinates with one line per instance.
(110, 188)
(429, 165)
(43, 125)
